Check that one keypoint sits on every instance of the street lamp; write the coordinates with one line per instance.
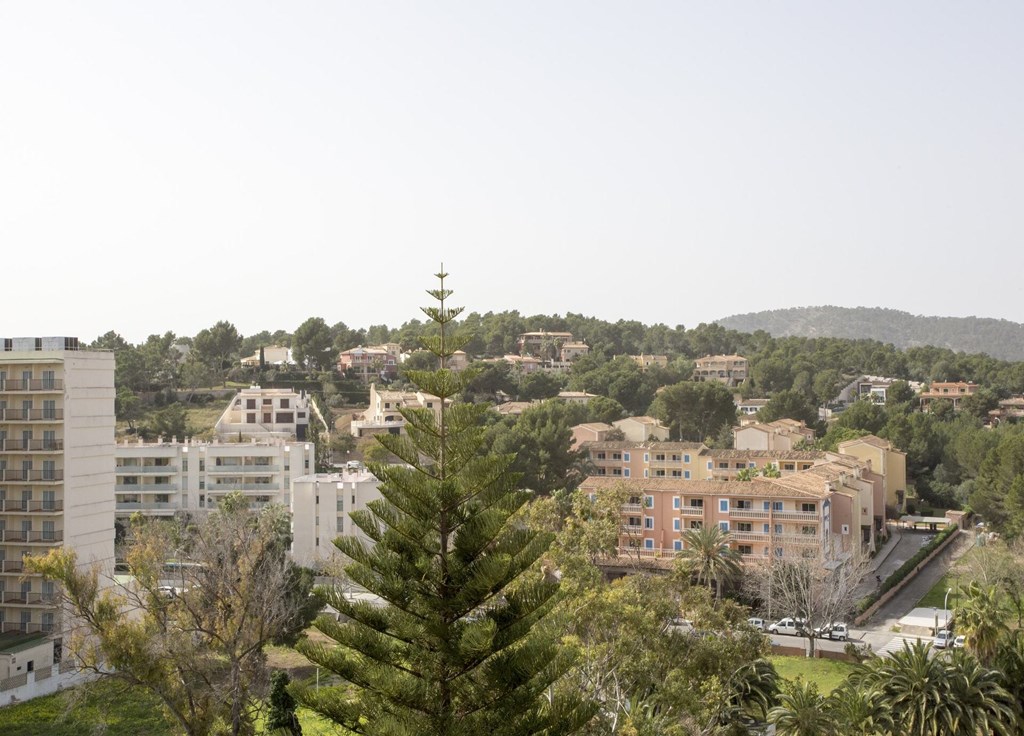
(945, 607)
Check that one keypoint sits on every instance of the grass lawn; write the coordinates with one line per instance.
(934, 598)
(827, 674)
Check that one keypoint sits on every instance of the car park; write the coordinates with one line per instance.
(943, 639)
(788, 625)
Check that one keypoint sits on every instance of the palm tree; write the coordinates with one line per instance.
(984, 705)
(802, 712)
(939, 695)
(707, 556)
(1009, 661)
(982, 620)
(860, 711)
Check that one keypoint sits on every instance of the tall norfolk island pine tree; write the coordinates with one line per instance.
(461, 646)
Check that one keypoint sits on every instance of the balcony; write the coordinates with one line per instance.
(796, 515)
(31, 415)
(28, 599)
(146, 487)
(32, 476)
(127, 506)
(646, 553)
(8, 627)
(31, 537)
(738, 513)
(12, 566)
(14, 506)
(630, 529)
(146, 469)
(33, 384)
(799, 539)
(243, 469)
(632, 508)
(32, 445)
(691, 511)
(228, 487)
(749, 536)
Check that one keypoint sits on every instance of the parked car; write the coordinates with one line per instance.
(959, 642)
(943, 639)
(680, 625)
(788, 625)
(757, 623)
(835, 631)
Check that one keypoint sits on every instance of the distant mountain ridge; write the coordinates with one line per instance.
(999, 338)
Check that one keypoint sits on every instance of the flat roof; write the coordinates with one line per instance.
(15, 641)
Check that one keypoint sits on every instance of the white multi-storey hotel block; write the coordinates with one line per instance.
(56, 475)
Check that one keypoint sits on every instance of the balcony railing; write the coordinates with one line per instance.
(146, 487)
(630, 529)
(737, 513)
(646, 553)
(31, 415)
(33, 384)
(691, 510)
(32, 445)
(243, 469)
(32, 476)
(32, 537)
(16, 566)
(146, 469)
(25, 628)
(632, 508)
(147, 506)
(228, 487)
(27, 599)
(31, 507)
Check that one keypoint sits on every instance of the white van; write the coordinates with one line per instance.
(788, 625)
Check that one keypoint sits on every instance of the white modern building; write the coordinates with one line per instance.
(320, 505)
(266, 413)
(164, 478)
(56, 481)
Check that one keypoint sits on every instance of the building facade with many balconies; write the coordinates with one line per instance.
(164, 478)
(56, 480)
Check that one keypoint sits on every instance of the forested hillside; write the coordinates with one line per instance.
(999, 338)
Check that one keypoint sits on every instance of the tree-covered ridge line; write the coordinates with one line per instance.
(999, 338)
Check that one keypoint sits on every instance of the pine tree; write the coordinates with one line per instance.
(462, 646)
(281, 718)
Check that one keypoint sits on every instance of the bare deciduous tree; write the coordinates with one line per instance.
(191, 622)
(819, 592)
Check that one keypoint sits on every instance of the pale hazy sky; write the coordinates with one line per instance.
(164, 165)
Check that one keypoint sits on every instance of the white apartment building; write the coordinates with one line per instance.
(384, 414)
(320, 505)
(56, 480)
(163, 478)
(266, 413)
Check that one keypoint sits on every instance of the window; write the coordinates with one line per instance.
(709, 465)
(744, 526)
(788, 466)
(284, 404)
(723, 466)
(809, 508)
(649, 502)
(723, 505)
(250, 403)
(696, 503)
(686, 474)
(778, 551)
(633, 521)
(625, 472)
(675, 502)
(647, 473)
(250, 419)
(846, 528)
(778, 528)
(809, 530)
(648, 544)
(676, 525)
(767, 505)
(767, 528)
(647, 457)
(657, 473)
(600, 456)
(723, 525)
(616, 456)
(686, 459)
(648, 522)
(696, 524)
(659, 457)
(776, 505)
(625, 457)
(285, 417)
(679, 474)
(746, 549)
(677, 545)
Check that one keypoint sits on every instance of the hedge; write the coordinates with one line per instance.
(906, 568)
